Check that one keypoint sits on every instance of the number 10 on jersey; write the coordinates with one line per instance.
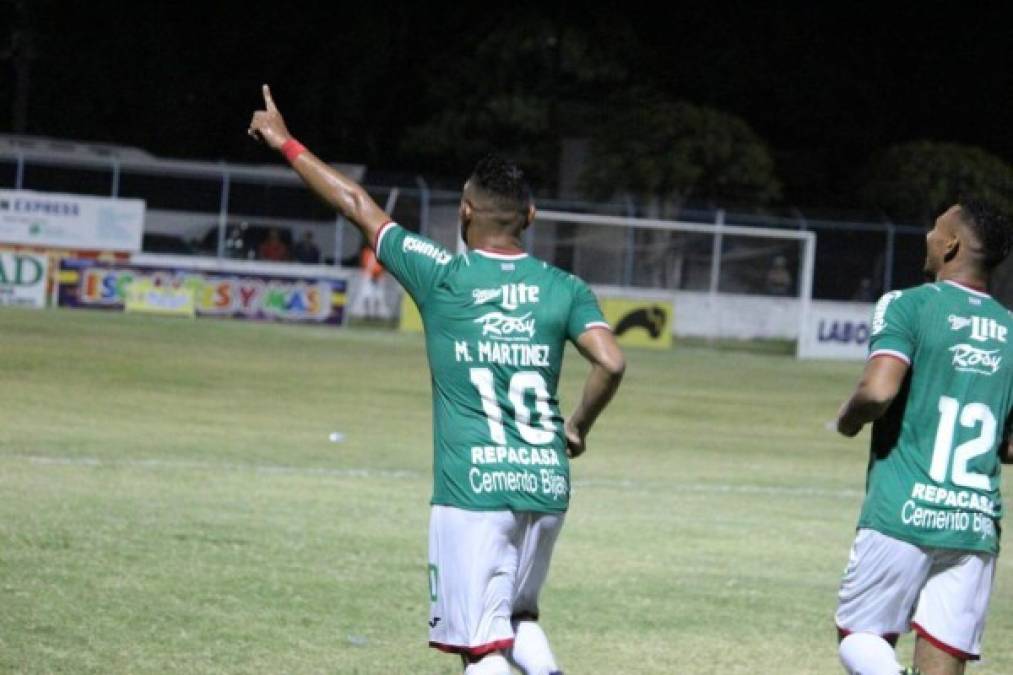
(520, 384)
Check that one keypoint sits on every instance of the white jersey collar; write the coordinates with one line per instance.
(968, 289)
(499, 255)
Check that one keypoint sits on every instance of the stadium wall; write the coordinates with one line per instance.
(832, 330)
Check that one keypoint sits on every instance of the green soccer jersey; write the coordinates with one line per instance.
(496, 325)
(934, 469)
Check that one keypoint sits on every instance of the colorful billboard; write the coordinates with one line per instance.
(247, 295)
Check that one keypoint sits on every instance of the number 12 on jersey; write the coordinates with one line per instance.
(970, 415)
(520, 384)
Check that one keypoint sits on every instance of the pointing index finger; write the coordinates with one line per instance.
(268, 100)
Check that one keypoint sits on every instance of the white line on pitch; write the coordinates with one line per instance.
(273, 469)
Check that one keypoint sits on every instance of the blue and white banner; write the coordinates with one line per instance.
(836, 330)
(57, 220)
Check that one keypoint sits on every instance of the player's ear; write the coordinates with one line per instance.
(466, 211)
(952, 248)
(529, 217)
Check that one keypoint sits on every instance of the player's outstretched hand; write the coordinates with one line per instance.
(575, 446)
(267, 125)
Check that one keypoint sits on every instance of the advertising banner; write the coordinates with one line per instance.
(639, 322)
(144, 296)
(410, 320)
(97, 285)
(836, 330)
(23, 279)
(58, 220)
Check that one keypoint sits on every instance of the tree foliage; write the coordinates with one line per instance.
(517, 91)
(916, 181)
(670, 152)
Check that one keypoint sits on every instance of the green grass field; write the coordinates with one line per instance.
(170, 503)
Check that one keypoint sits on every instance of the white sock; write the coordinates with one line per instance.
(491, 664)
(868, 654)
(531, 651)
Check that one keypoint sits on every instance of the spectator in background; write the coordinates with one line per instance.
(864, 292)
(778, 277)
(305, 250)
(370, 302)
(273, 248)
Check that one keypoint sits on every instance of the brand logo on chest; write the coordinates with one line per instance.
(510, 296)
(982, 328)
(498, 324)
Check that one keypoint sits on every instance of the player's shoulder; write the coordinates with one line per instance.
(901, 306)
(414, 244)
(977, 299)
(559, 276)
(910, 297)
(922, 291)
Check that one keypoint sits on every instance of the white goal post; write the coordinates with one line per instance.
(630, 238)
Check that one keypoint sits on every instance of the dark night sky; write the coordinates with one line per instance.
(826, 87)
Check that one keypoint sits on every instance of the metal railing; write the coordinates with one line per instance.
(205, 206)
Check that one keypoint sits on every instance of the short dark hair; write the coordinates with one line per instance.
(990, 226)
(504, 180)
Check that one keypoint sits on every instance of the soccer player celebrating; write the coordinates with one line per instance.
(496, 323)
(938, 387)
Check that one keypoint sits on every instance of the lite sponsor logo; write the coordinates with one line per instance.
(982, 328)
(511, 296)
(498, 324)
(879, 316)
(958, 322)
(971, 359)
(428, 249)
(432, 622)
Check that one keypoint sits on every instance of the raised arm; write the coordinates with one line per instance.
(344, 194)
(880, 382)
(598, 346)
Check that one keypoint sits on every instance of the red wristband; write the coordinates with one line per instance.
(292, 149)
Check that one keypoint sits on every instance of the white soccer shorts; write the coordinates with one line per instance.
(891, 586)
(485, 567)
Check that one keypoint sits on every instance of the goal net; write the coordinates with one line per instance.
(726, 281)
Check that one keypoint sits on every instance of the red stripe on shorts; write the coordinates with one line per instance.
(478, 650)
(889, 637)
(938, 644)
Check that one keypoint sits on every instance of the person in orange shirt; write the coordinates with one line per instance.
(370, 301)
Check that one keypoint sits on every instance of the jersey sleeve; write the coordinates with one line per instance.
(895, 326)
(415, 261)
(584, 312)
